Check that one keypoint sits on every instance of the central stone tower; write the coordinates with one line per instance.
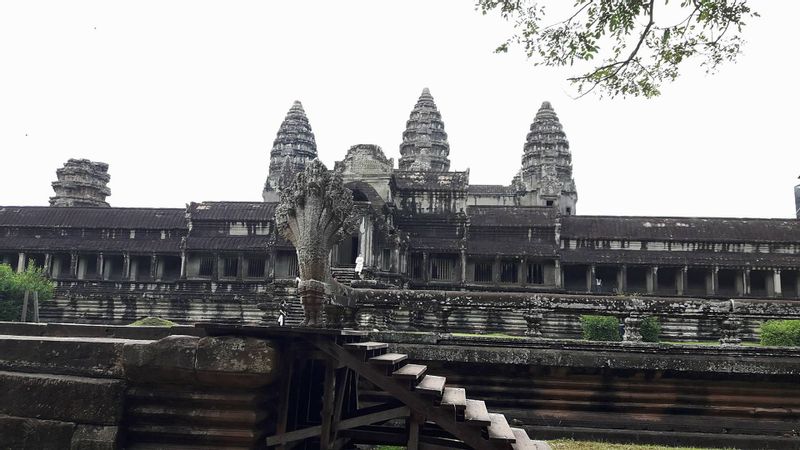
(547, 163)
(425, 146)
(81, 183)
(293, 148)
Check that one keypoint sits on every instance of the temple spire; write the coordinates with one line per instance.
(293, 148)
(547, 162)
(425, 146)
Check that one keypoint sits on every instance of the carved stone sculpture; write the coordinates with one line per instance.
(315, 213)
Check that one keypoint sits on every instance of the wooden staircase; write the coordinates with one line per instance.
(419, 411)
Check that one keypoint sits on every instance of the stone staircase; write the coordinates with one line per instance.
(439, 415)
(344, 274)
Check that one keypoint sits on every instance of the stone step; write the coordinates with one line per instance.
(389, 359)
(455, 397)
(476, 413)
(499, 430)
(431, 385)
(410, 372)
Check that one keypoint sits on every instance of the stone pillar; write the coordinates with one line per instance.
(714, 280)
(442, 314)
(558, 274)
(740, 284)
(21, 262)
(747, 282)
(126, 266)
(240, 267)
(312, 296)
(183, 264)
(463, 266)
(777, 289)
(521, 271)
(633, 328)
(100, 272)
(273, 261)
(681, 280)
(73, 265)
(496, 270)
(48, 264)
(621, 272)
(154, 267)
(215, 275)
(426, 267)
(590, 278)
(652, 281)
(396, 260)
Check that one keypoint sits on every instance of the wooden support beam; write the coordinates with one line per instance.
(328, 405)
(417, 403)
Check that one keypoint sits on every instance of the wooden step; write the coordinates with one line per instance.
(499, 429)
(431, 385)
(410, 372)
(455, 397)
(366, 346)
(389, 359)
(476, 413)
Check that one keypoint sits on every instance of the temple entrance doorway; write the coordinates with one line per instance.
(348, 251)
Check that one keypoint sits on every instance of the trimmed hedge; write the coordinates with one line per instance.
(650, 329)
(600, 328)
(781, 333)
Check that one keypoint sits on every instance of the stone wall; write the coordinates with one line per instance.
(100, 392)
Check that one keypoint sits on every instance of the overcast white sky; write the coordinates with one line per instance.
(183, 100)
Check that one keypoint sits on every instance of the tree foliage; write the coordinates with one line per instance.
(626, 47)
(13, 286)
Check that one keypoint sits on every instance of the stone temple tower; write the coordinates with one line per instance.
(293, 148)
(425, 146)
(547, 163)
(81, 183)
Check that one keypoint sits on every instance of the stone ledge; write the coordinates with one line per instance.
(27, 433)
(62, 397)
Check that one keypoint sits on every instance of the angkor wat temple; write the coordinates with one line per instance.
(422, 226)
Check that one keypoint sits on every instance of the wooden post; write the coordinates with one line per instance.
(414, 424)
(24, 317)
(36, 306)
(328, 404)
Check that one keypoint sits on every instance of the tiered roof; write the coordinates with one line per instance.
(425, 146)
(293, 147)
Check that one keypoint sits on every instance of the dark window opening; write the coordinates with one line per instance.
(508, 272)
(549, 203)
(206, 266)
(256, 267)
(416, 266)
(171, 267)
(230, 266)
(359, 196)
(483, 271)
(443, 268)
(386, 259)
(535, 273)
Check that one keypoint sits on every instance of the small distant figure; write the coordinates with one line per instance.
(359, 265)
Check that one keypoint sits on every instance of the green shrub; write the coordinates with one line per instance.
(600, 328)
(783, 333)
(650, 329)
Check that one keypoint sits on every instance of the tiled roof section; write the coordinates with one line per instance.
(435, 243)
(681, 229)
(490, 189)
(92, 217)
(511, 216)
(228, 243)
(662, 258)
(94, 245)
(436, 181)
(233, 211)
(510, 248)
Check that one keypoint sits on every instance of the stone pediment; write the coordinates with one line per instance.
(365, 159)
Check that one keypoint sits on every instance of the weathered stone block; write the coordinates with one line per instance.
(61, 397)
(167, 360)
(26, 433)
(87, 437)
(236, 361)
